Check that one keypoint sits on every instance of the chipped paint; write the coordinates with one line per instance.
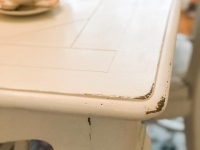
(159, 107)
(147, 95)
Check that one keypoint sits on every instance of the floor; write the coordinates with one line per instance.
(166, 139)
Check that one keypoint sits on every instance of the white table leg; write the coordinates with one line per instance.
(147, 143)
(22, 145)
(6, 146)
(72, 132)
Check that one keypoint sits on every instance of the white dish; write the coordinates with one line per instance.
(25, 11)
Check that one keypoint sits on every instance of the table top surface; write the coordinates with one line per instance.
(96, 49)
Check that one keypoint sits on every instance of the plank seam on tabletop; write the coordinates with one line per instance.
(61, 47)
(101, 1)
(128, 24)
(37, 30)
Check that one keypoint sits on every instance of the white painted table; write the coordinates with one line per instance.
(70, 75)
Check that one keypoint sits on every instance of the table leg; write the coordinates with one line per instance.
(6, 146)
(22, 145)
(147, 143)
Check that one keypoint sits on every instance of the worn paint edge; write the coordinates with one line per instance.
(159, 107)
(86, 95)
